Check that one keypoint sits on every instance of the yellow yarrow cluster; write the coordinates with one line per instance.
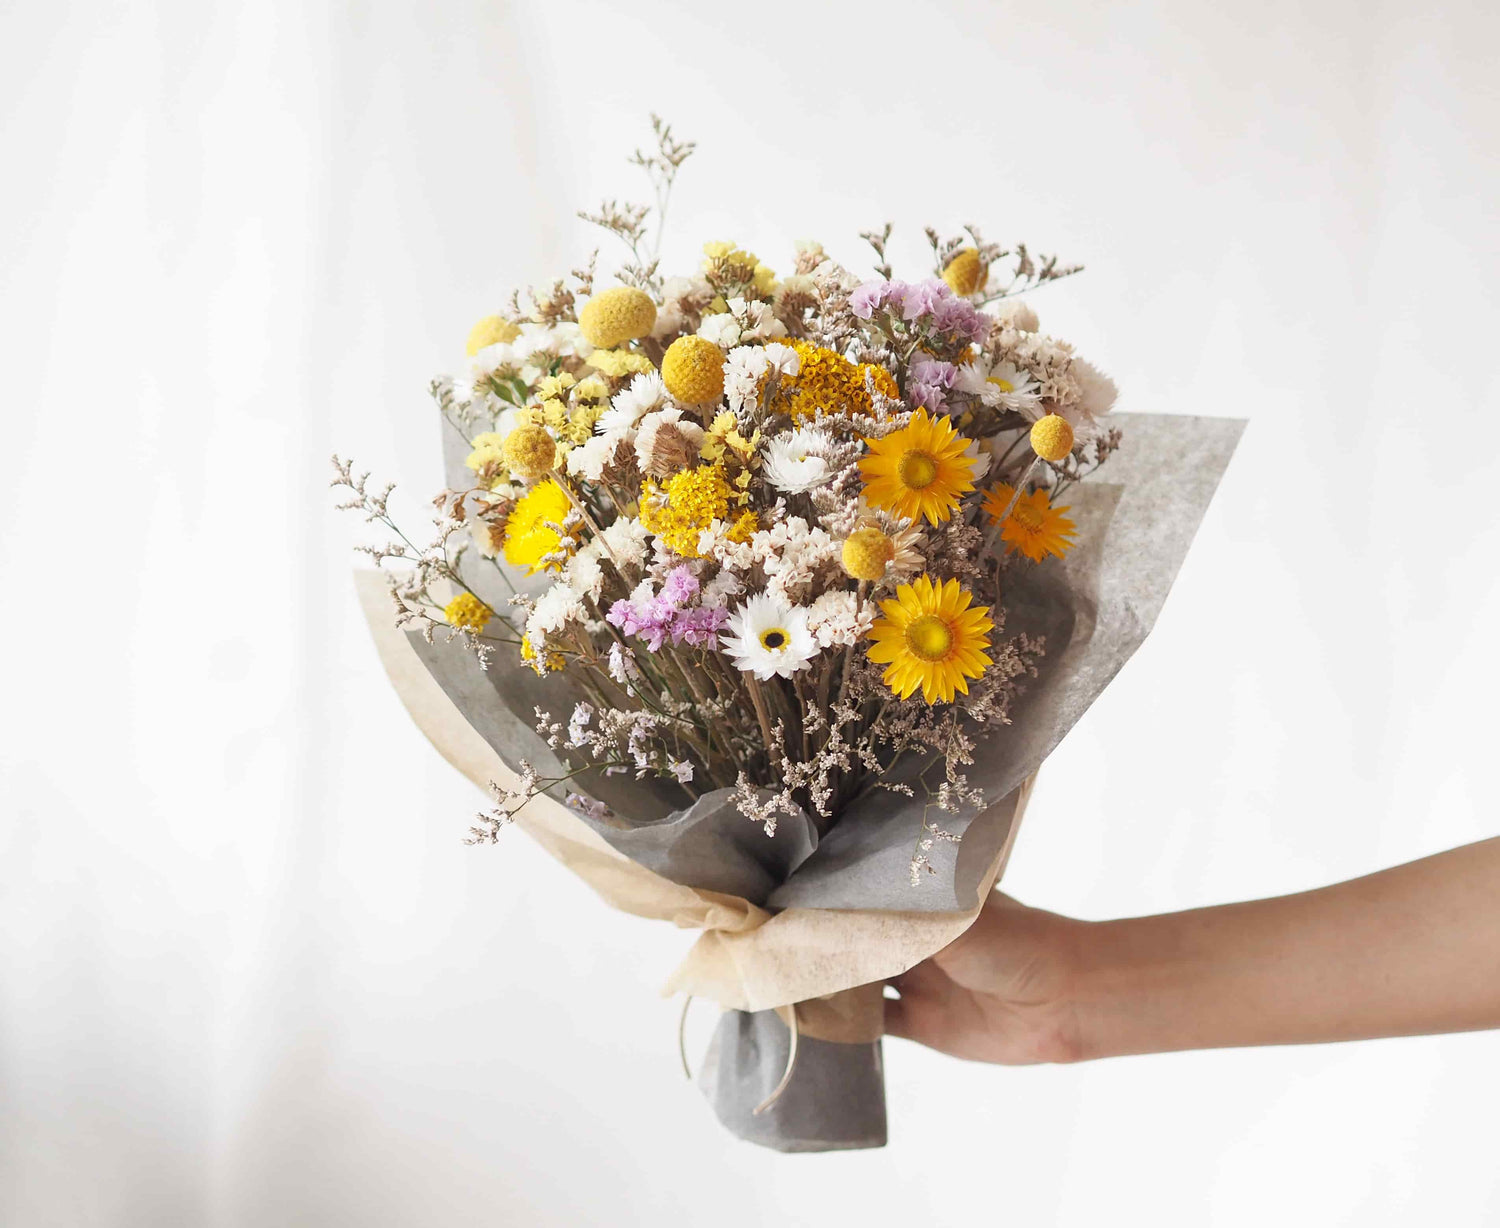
(693, 370)
(619, 363)
(491, 330)
(679, 509)
(621, 313)
(965, 273)
(467, 612)
(828, 381)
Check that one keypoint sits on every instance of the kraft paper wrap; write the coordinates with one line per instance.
(829, 962)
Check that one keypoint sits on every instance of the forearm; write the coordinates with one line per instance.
(1414, 949)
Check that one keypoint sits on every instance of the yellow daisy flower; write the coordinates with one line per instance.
(931, 637)
(1034, 526)
(920, 470)
(528, 537)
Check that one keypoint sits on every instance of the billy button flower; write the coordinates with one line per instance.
(693, 370)
(867, 553)
(530, 452)
(616, 315)
(965, 273)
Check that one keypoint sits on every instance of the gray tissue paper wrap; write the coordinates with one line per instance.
(1093, 606)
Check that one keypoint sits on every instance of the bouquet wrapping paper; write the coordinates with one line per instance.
(802, 928)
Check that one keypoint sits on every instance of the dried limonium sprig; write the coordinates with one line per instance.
(757, 529)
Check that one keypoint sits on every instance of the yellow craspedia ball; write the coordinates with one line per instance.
(616, 315)
(468, 612)
(1052, 438)
(867, 553)
(491, 330)
(530, 452)
(966, 272)
(693, 370)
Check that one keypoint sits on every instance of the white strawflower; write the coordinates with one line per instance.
(590, 458)
(643, 394)
(1097, 392)
(796, 461)
(766, 638)
(667, 441)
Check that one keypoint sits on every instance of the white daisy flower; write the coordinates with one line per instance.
(1000, 385)
(796, 461)
(766, 638)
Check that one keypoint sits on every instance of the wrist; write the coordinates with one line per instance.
(1133, 987)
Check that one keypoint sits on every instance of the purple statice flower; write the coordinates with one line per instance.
(666, 616)
(929, 383)
(923, 299)
(958, 317)
(869, 297)
(680, 586)
(699, 627)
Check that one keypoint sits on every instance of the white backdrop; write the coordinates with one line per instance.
(251, 976)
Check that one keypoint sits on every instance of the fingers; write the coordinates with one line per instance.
(919, 1011)
(925, 978)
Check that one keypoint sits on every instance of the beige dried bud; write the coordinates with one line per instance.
(667, 441)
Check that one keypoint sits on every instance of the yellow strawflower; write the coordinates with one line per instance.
(931, 637)
(490, 331)
(621, 313)
(920, 470)
(467, 612)
(1034, 526)
(867, 553)
(965, 273)
(529, 535)
(693, 370)
(531, 452)
(1052, 437)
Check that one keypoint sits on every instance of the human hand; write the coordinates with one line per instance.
(1002, 992)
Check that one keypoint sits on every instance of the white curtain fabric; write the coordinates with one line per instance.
(249, 974)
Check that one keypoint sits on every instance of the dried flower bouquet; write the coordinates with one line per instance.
(780, 586)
